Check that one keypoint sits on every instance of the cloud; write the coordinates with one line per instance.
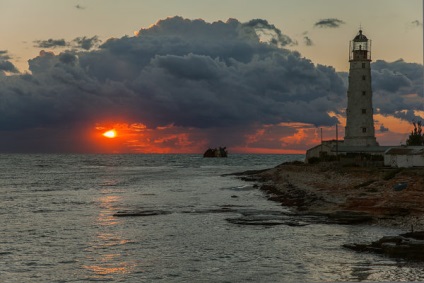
(329, 23)
(5, 65)
(86, 43)
(68, 58)
(383, 129)
(216, 83)
(83, 42)
(308, 41)
(397, 88)
(417, 23)
(4, 55)
(50, 43)
(275, 36)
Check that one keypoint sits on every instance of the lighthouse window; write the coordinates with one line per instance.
(364, 111)
(364, 78)
(364, 130)
(364, 92)
(363, 65)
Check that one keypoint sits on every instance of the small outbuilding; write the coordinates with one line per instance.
(326, 148)
(404, 157)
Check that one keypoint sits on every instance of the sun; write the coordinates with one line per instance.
(110, 134)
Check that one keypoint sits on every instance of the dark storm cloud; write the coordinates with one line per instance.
(50, 43)
(188, 73)
(83, 42)
(68, 58)
(397, 87)
(179, 71)
(86, 43)
(263, 27)
(218, 94)
(5, 64)
(329, 23)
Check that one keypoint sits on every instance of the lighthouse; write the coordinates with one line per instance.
(359, 129)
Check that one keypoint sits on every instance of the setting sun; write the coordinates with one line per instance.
(110, 134)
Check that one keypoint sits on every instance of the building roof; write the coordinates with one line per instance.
(327, 144)
(361, 149)
(410, 150)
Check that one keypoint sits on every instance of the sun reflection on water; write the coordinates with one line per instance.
(108, 268)
(105, 253)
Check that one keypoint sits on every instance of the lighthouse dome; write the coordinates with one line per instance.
(360, 37)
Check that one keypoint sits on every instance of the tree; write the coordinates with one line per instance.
(416, 137)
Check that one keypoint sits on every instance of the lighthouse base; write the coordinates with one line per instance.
(360, 141)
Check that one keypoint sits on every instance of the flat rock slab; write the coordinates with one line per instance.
(407, 246)
(264, 221)
(418, 235)
(349, 217)
(128, 213)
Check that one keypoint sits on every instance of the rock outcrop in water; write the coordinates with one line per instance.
(216, 152)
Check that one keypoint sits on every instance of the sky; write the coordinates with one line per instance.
(181, 76)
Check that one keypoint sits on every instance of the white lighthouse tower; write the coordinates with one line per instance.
(359, 129)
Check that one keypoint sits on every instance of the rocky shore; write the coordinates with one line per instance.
(389, 196)
(350, 195)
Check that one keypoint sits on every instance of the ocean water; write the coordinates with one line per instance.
(58, 225)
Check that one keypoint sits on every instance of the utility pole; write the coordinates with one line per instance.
(337, 142)
(320, 154)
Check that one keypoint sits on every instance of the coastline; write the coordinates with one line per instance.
(379, 196)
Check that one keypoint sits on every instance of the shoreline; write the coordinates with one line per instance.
(387, 197)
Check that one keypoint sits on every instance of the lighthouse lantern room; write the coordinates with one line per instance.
(360, 48)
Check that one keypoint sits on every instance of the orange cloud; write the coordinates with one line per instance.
(137, 138)
(287, 138)
(282, 138)
(257, 150)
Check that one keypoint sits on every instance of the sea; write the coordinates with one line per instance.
(61, 220)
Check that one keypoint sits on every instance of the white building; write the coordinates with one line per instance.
(359, 129)
(404, 157)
